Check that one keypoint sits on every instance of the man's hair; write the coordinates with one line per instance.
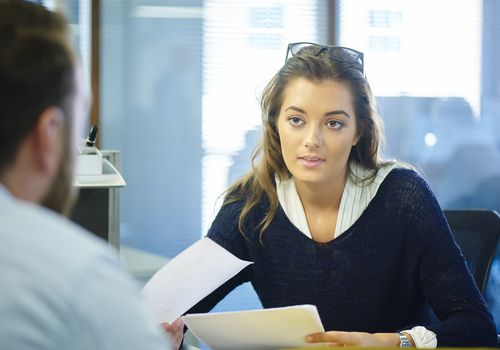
(37, 71)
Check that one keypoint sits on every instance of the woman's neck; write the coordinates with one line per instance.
(321, 196)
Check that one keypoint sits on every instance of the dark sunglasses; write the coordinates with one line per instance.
(337, 53)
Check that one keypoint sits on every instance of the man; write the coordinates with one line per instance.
(60, 288)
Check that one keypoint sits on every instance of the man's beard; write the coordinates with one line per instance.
(62, 194)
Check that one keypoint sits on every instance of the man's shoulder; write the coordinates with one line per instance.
(70, 283)
(39, 237)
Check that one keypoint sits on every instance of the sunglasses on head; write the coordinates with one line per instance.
(337, 53)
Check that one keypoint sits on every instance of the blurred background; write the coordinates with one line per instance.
(177, 83)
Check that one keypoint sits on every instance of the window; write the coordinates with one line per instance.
(79, 18)
(151, 77)
(244, 46)
(179, 98)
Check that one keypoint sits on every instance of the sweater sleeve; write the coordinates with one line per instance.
(224, 231)
(447, 284)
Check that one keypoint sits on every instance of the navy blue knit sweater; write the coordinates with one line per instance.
(385, 273)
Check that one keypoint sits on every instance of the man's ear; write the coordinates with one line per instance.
(48, 139)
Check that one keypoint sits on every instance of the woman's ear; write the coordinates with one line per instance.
(48, 139)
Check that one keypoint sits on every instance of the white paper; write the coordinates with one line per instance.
(189, 277)
(256, 329)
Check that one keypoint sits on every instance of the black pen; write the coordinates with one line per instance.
(92, 136)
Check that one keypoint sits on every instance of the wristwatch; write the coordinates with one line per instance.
(404, 342)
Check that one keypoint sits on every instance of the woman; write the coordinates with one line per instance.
(327, 222)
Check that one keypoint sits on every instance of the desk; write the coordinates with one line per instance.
(370, 348)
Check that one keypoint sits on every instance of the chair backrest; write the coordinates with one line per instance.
(477, 233)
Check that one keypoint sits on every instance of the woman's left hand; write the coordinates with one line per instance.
(337, 338)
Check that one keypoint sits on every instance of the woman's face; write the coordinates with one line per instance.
(317, 129)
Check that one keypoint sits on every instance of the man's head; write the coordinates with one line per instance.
(41, 100)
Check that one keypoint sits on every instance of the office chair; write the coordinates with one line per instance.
(477, 233)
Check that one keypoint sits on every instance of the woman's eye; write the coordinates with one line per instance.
(295, 121)
(335, 124)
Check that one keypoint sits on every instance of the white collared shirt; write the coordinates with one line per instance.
(355, 198)
(63, 288)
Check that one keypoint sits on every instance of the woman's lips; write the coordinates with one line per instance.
(311, 161)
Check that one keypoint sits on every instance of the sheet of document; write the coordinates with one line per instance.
(189, 277)
(256, 329)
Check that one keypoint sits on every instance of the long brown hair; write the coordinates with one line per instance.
(267, 159)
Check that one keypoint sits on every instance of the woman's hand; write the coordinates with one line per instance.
(335, 338)
(175, 331)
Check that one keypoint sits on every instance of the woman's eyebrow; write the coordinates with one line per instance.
(340, 111)
(296, 109)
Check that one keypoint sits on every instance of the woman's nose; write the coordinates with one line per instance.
(314, 138)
